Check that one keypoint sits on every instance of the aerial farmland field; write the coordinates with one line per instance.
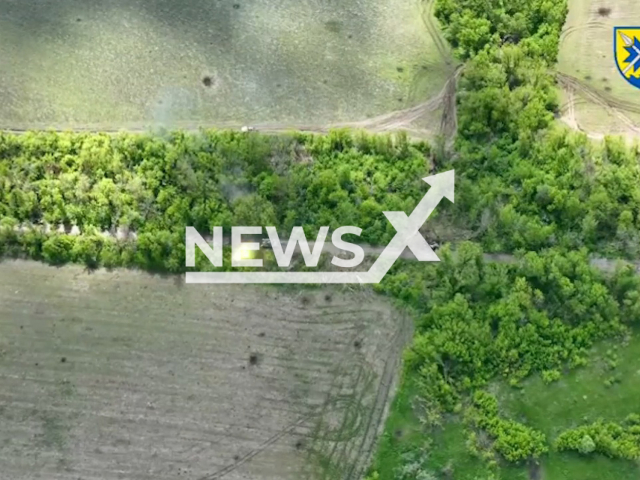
(121, 374)
(595, 97)
(133, 132)
(136, 64)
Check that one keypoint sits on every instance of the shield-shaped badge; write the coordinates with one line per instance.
(626, 49)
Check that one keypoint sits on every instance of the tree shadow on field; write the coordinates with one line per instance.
(39, 19)
(172, 61)
(206, 25)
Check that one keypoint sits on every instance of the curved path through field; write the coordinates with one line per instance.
(610, 104)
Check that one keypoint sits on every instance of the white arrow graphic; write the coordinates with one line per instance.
(442, 186)
(628, 41)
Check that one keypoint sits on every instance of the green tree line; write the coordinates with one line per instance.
(157, 186)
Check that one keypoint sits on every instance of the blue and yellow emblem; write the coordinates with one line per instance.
(626, 48)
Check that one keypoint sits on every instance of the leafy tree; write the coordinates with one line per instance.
(514, 441)
(58, 249)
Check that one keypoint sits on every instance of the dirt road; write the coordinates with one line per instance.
(605, 264)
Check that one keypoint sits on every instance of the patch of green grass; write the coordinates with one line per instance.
(403, 432)
(579, 397)
(449, 454)
(443, 448)
(54, 431)
(66, 388)
(570, 466)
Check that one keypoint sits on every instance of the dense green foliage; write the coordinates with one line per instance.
(611, 439)
(514, 441)
(156, 187)
(565, 192)
(480, 320)
(506, 93)
(522, 184)
(473, 25)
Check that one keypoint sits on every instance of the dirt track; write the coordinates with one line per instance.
(613, 106)
(605, 264)
(434, 32)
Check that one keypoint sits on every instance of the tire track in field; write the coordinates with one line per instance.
(356, 419)
(382, 404)
(449, 120)
(602, 98)
(338, 439)
(569, 31)
(364, 413)
(341, 386)
(437, 39)
(614, 107)
(321, 434)
(571, 117)
(353, 402)
(357, 412)
(206, 443)
(427, 7)
(249, 456)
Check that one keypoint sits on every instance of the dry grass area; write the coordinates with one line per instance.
(595, 97)
(124, 375)
(133, 64)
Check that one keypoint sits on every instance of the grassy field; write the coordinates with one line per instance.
(441, 451)
(405, 436)
(110, 375)
(580, 397)
(595, 96)
(136, 63)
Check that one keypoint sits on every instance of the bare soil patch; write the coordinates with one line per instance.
(158, 380)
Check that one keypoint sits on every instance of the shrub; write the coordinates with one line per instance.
(514, 441)
(587, 445)
(550, 376)
(611, 439)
